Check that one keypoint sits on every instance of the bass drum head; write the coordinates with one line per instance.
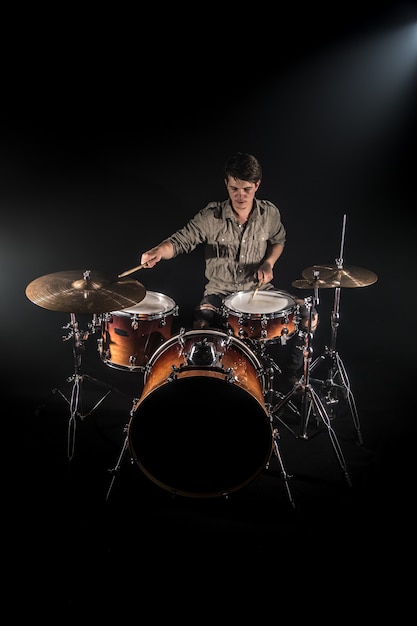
(200, 436)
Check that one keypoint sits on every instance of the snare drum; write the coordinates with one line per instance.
(130, 336)
(269, 316)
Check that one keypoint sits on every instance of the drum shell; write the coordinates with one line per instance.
(270, 316)
(201, 431)
(129, 337)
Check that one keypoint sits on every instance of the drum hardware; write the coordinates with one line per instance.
(75, 399)
(81, 291)
(182, 452)
(271, 368)
(311, 404)
(342, 277)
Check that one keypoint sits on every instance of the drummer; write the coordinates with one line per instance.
(244, 238)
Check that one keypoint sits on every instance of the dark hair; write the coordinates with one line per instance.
(244, 167)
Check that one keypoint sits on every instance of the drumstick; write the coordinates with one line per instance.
(134, 269)
(256, 289)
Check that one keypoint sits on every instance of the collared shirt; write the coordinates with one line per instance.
(233, 252)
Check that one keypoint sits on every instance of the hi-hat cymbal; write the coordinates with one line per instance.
(84, 291)
(313, 284)
(348, 276)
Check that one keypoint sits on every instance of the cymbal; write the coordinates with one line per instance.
(84, 291)
(348, 276)
(313, 284)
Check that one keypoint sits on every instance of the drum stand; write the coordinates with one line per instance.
(115, 471)
(310, 401)
(270, 368)
(75, 399)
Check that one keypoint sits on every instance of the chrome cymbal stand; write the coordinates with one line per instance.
(311, 404)
(74, 401)
(337, 380)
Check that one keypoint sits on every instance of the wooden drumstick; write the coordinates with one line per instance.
(134, 269)
(256, 289)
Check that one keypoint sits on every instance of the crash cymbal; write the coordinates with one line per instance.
(348, 276)
(313, 284)
(84, 291)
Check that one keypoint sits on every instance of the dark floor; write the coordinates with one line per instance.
(110, 485)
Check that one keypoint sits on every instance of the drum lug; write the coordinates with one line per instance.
(173, 375)
(229, 375)
(162, 322)
(283, 340)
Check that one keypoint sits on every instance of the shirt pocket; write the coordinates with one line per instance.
(224, 246)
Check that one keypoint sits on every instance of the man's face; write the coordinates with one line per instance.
(241, 193)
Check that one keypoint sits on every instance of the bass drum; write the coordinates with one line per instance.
(129, 337)
(269, 316)
(201, 428)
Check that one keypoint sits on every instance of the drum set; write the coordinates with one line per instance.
(206, 421)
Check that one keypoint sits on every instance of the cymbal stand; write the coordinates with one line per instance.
(311, 403)
(77, 378)
(336, 369)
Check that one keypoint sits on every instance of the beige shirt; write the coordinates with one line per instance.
(233, 252)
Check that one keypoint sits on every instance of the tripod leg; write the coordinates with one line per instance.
(116, 470)
(284, 474)
(72, 423)
(317, 404)
(349, 396)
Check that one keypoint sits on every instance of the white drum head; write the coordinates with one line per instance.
(152, 303)
(262, 302)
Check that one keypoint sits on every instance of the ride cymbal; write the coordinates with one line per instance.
(313, 284)
(84, 291)
(348, 276)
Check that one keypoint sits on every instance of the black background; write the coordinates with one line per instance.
(114, 132)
